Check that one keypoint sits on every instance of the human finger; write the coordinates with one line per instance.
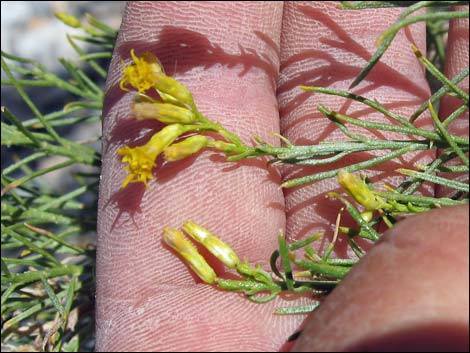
(227, 55)
(456, 61)
(409, 293)
(327, 47)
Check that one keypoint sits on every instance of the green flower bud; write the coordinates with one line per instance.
(215, 246)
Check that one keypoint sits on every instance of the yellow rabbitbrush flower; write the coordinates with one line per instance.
(141, 74)
(182, 246)
(141, 159)
(146, 73)
(215, 246)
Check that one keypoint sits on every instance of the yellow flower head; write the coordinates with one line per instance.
(141, 74)
(146, 72)
(141, 159)
(182, 246)
(140, 164)
(215, 246)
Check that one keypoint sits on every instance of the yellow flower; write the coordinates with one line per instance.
(146, 72)
(141, 159)
(215, 246)
(185, 148)
(182, 246)
(164, 112)
(141, 74)
(140, 163)
(359, 191)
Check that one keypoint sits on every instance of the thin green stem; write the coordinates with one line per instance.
(396, 128)
(33, 276)
(439, 94)
(420, 200)
(392, 31)
(455, 114)
(451, 140)
(30, 104)
(35, 174)
(435, 179)
(20, 126)
(32, 157)
(439, 75)
(351, 168)
(360, 99)
(81, 52)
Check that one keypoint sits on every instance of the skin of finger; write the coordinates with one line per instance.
(147, 299)
(456, 61)
(409, 293)
(327, 47)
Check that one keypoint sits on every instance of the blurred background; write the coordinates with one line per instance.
(30, 30)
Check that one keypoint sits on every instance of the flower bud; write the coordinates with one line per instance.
(165, 137)
(359, 190)
(185, 148)
(67, 19)
(215, 246)
(164, 112)
(170, 86)
(223, 146)
(182, 246)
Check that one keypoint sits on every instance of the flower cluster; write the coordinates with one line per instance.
(175, 108)
(256, 279)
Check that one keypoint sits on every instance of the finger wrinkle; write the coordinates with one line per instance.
(214, 322)
(326, 47)
(147, 298)
(195, 34)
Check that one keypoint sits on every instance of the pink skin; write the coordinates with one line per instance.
(457, 60)
(228, 55)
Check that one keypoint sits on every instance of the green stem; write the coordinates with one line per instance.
(33, 175)
(451, 140)
(439, 94)
(360, 99)
(454, 115)
(436, 180)
(392, 31)
(351, 168)
(32, 157)
(421, 200)
(32, 276)
(439, 75)
(323, 269)
(396, 128)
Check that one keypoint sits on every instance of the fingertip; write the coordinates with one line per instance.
(409, 293)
